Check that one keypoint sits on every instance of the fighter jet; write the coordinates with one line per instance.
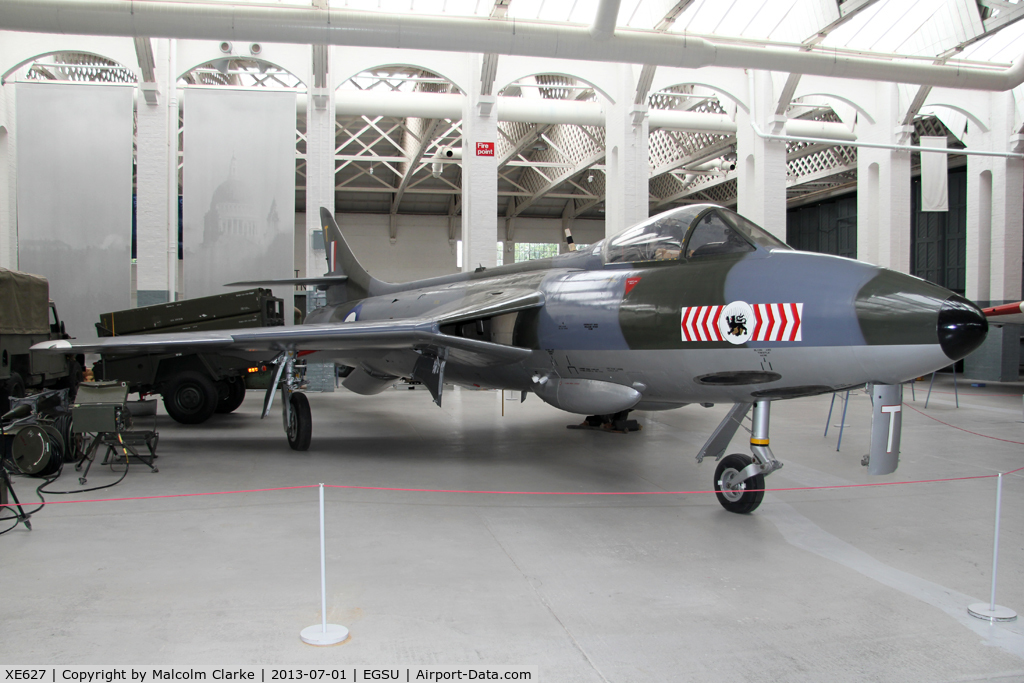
(694, 305)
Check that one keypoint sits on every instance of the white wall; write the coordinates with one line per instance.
(421, 249)
(549, 230)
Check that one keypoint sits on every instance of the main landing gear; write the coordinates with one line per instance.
(298, 421)
(739, 479)
(617, 422)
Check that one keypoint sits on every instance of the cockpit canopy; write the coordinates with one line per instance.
(690, 232)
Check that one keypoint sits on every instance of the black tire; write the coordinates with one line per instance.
(190, 398)
(300, 425)
(748, 495)
(14, 387)
(230, 395)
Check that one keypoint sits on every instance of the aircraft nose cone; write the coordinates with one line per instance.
(961, 327)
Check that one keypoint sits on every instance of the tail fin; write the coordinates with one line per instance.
(341, 261)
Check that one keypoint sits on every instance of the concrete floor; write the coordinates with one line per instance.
(817, 585)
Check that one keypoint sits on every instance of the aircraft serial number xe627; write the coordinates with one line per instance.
(695, 305)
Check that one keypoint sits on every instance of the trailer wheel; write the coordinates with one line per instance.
(13, 388)
(300, 426)
(190, 398)
(230, 395)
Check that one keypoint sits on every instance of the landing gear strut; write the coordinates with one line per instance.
(298, 421)
(739, 479)
(617, 422)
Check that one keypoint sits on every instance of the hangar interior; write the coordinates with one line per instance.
(125, 157)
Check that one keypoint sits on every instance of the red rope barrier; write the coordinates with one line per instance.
(513, 493)
(550, 493)
(995, 438)
(168, 495)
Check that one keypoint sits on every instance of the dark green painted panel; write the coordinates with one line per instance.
(650, 315)
(899, 309)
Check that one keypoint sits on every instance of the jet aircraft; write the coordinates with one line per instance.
(694, 305)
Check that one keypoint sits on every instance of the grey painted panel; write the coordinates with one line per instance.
(582, 311)
(826, 285)
(75, 196)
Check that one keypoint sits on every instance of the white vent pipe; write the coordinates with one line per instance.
(444, 153)
(310, 26)
(535, 110)
(396, 104)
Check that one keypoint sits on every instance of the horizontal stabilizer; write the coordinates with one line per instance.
(322, 282)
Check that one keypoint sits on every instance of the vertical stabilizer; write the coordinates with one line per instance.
(341, 261)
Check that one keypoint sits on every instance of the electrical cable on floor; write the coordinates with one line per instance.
(124, 449)
(49, 480)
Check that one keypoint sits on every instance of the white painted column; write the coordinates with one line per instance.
(479, 177)
(760, 164)
(156, 185)
(8, 182)
(995, 236)
(320, 128)
(627, 160)
(883, 186)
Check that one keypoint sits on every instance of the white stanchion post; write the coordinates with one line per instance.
(323, 633)
(992, 611)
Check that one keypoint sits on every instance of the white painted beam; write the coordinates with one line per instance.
(302, 25)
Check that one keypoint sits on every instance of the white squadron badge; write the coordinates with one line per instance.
(736, 322)
(740, 322)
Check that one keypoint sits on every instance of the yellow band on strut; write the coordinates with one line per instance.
(758, 442)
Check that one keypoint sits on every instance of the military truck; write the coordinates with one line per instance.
(194, 386)
(27, 317)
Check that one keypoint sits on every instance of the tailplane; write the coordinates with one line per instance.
(342, 262)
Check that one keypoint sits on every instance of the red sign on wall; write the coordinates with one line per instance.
(485, 149)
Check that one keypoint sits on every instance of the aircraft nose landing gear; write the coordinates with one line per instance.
(298, 420)
(739, 479)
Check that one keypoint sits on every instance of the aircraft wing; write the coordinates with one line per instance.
(1007, 313)
(354, 338)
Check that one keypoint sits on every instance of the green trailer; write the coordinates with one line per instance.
(197, 385)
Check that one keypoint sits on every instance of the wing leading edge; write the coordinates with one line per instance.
(353, 338)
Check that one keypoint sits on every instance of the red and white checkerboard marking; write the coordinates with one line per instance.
(772, 322)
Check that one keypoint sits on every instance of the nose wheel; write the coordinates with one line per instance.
(739, 479)
(298, 420)
(735, 493)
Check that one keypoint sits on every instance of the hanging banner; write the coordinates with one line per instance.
(238, 190)
(934, 176)
(74, 147)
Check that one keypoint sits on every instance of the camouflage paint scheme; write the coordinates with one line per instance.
(582, 316)
(860, 323)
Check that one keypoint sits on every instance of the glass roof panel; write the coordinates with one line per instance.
(1006, 45)
(910, 27)
(923, 28)
(455, 8)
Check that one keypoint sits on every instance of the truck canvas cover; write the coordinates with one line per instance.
(24, 303)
